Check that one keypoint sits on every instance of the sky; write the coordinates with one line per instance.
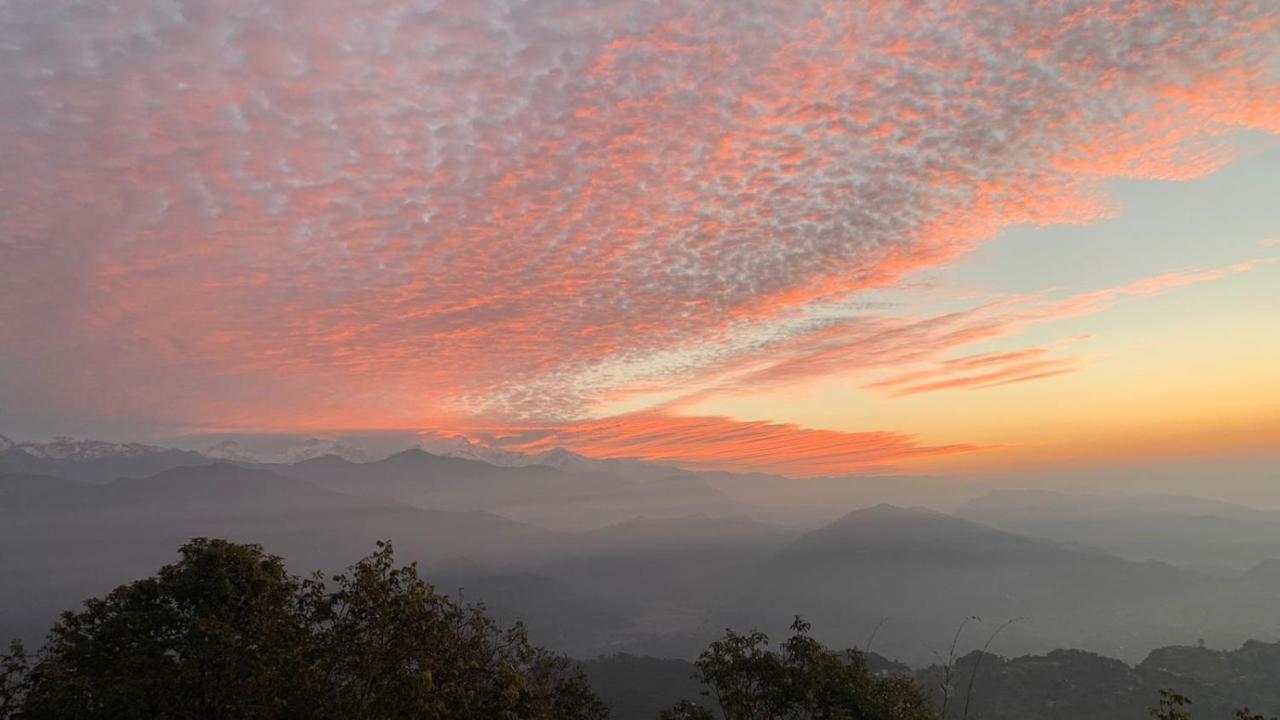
(811, 238)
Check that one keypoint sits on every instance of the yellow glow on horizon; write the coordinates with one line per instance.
(1208, 382)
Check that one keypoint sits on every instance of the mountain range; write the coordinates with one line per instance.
(1058, 685)
(1207, 535)
(646, 560)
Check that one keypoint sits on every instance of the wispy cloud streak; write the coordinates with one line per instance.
(908, 355)
(717, 443)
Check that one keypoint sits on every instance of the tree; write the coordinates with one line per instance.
(1172, 706)
(392, 647)
(801, 680)
(685, 710)
(215, 635)
(14, 671)
(226, 632)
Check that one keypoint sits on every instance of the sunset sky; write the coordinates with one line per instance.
(811, 238)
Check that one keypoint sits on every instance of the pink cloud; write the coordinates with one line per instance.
(717, 443)
(984, 370)
(369, 213)
(1023, 372)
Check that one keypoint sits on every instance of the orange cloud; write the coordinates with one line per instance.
(716, 443)
(913, 350)
(261, 214)
(975, 372)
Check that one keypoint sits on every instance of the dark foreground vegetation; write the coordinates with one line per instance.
(1061, 685)
(747, 679)
(227, 633)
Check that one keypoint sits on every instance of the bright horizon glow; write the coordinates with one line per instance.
(810, 239)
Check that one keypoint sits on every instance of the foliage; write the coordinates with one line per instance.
(685, 710)
(801, 680)
(1173, 706)
(14, 671)
(226, 632)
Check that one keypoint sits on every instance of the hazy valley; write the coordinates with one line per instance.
(653, 561)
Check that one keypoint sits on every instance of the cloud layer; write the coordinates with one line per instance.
(717, 443)
(382, 213)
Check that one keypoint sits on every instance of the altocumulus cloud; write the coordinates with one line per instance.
(366, 212)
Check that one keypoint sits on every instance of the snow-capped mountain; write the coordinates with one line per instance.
(6, 443)
(458, 446)
(92, 461)
(559, 458)
(305, 450)
(461, 447)
(232, 451)
(66, 448)
(570, 461)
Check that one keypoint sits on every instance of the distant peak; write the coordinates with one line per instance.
(888, 518)
(462, 448)
(230, 450)
(411, 454)
(327, 459)
(308, 449)
(1265, 570)
(69, 448)
(214, 468)
(885, 511)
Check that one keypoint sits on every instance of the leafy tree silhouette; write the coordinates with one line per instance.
(226, 632)
(801, 680)
(1172, 706)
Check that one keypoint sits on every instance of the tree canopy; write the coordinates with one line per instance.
(227, 632)
(801, 680)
